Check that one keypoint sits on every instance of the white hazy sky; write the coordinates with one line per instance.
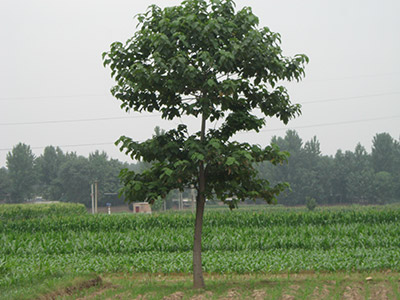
(51, 72)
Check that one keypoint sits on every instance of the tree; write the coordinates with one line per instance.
(396, 172)
(312, 148)
(301, 170)
(383, 189)
(20, 164)
(105, 172)
(5, 185)
(325, 171)
(74, 179)
(47, 168)
(205, 60)
(313, 174)
(386, 163)
(340, 176)
(360, 176)
(383, 152)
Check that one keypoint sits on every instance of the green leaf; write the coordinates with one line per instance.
(211, 82)
(230, 161)
(197, 157)
(168, 171)
(137, 186)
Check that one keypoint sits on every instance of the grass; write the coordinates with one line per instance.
(306, 285)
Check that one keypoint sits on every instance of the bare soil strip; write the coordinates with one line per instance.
(71, 290)
(355, 286)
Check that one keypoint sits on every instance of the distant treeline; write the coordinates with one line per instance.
(60, 176)
(348, 177)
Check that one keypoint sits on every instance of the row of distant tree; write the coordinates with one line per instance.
(348, 177)
(56, 175)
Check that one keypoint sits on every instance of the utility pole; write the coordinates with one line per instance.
(92, 196)
(180, 201)
(95, 196)
(192, 190)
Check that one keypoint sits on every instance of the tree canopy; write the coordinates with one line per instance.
(203, 59)
(20, 164)
(206, 60)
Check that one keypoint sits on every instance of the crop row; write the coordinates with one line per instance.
(28, 270)
(214, 239)
(235, 219)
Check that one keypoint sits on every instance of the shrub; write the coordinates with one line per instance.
(311, 203)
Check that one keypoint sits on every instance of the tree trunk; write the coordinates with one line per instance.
(198, 280)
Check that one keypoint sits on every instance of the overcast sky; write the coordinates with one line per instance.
(51, 72)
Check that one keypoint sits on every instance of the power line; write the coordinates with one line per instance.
(53, 97)
(65, 146)
(76, 120)
(159, 115)
(349, 98)
(264, 130)
(333, 123)
(355, 77)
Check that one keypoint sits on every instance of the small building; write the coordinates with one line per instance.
(40, 200)
(141, 208)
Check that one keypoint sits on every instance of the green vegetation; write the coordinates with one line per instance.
(39, 249)
(311, 203)
(59, 176)
(13, 212)
(20, 163)
(349, 177)
(345, 178)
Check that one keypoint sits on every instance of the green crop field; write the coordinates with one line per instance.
(40, 243)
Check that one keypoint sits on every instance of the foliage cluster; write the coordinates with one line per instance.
(271, 240)
(203, 59)
(311, 203)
